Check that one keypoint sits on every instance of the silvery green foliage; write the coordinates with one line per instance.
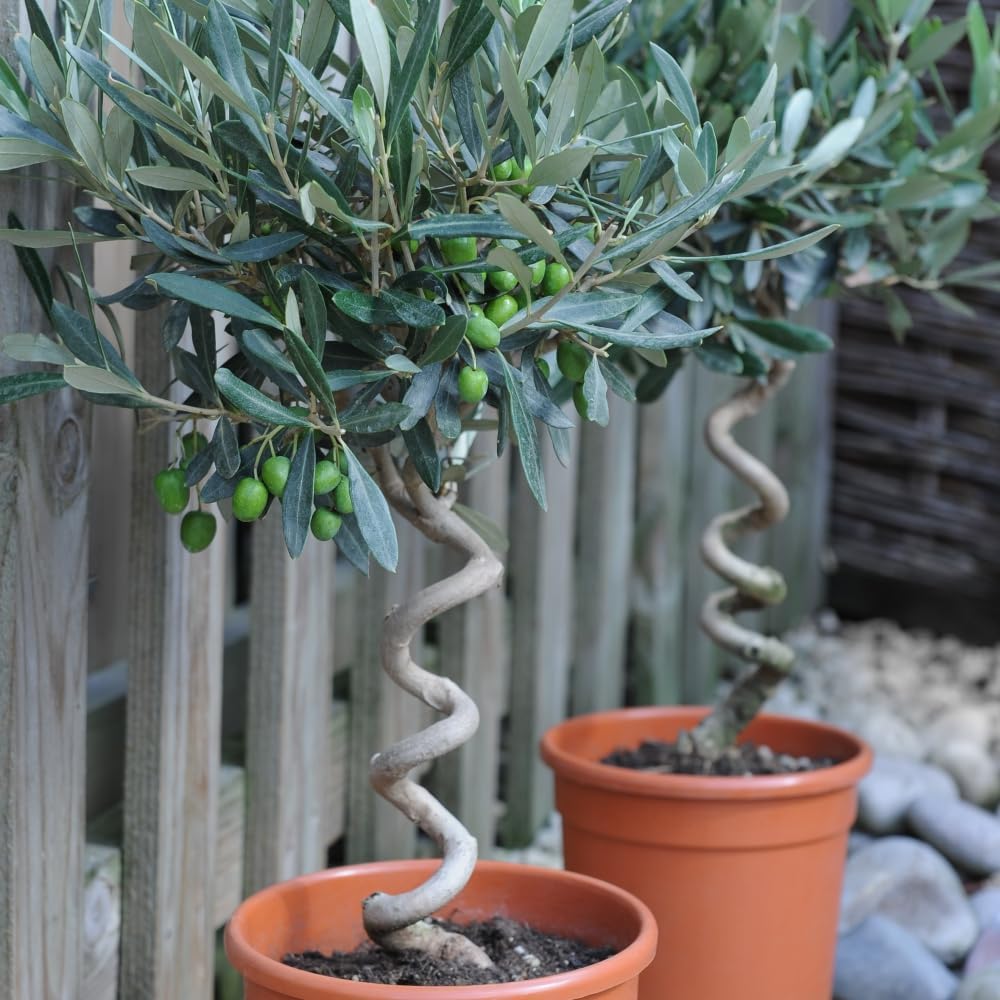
(867, 139)
(303, 200)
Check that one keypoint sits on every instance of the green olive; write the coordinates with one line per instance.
(501, 309)
(459, 250)
(274, 474)
(580, 401)
(572, 359)
(197, 530)
(557, 277)
(250, 499)
(472, 384)
(342, 498)
(522, 171)
(324, 523)
(543, 366)
(171, 490)
(482, 332)
(503, 171)
(326, 477)
(191, 444)
(265, 228)
(476, 310)
(502, 281)
(537, 272)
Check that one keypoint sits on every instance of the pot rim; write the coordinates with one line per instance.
(592, 979)
(567, 764)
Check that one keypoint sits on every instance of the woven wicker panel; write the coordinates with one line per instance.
(915, 520)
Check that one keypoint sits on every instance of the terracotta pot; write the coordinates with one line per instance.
(323, 911)
(743, 875)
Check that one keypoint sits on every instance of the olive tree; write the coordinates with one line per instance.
(867, 140)
(361, 265)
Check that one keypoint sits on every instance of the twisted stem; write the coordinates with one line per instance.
(753, 587)
(398, 922)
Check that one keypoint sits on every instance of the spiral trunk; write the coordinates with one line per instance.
(399, 922)
(753, 587)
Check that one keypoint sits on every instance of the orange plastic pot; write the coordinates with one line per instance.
(743, 875)
(323, 911)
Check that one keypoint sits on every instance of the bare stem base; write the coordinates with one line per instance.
(753, 587)
(399, 921)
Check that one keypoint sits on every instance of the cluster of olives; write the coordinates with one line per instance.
(485, 321)
(253, 493)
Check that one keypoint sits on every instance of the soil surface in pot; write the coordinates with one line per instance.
(519, 951)
(745, 760)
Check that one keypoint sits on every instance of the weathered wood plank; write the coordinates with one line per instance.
(172, 734)
(540, 570)
(102, 892)
(380, 712)
(803, 451)
(290, 684)
(661, 519)
(473, 645)
(43, 639)
(710, 491)
(603, 574)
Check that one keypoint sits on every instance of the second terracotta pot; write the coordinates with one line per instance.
(743, 875)
(323, 911)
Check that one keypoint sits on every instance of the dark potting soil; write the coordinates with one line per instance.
(745, 760)
(520, 952)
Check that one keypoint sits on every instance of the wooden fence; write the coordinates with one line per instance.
(130, 827)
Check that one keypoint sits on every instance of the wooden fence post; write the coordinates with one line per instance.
(540, 568)
(380, 712)
(172, 733)
(474, 651)
(43, 640)
(603, 572)
(289, 701)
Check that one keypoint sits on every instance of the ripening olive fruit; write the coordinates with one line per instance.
(580, 401)
(197, 530)
(504, 170)
(171, 490)
(522, 171)
(191, 444)
(501, 309)
(572, 359)
(557, 277)
(476, 310)
(342, 498)
(326, 477)
(274, 473)
(265, 228)
(537, 272)
(472, 384)
(324, 523)
(459, 250)
(502, 281)
(250, 499)
(482, 332)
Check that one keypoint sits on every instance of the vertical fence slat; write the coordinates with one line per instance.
(540, 567)
(172, 735)
(290, 690)
(709, 491)
(804, 460)
(603, 573)
(473, 648)
(661, 517)
(380, 712)
(43, 642)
